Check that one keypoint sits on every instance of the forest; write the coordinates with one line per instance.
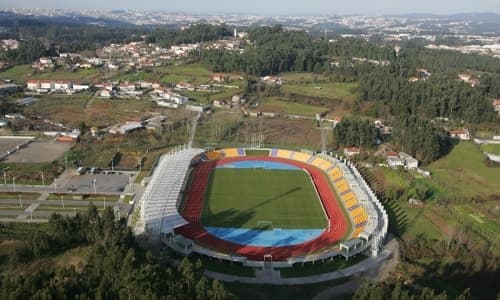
(116, 266)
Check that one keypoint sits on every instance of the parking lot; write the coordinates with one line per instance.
(8, 144)
(38, 151)
(104, 183)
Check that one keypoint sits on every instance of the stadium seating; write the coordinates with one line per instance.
(213, 155)
(335, 174)
(283, 154)
(319, 162)
(300, 156)
(357, 231)
(230, 152)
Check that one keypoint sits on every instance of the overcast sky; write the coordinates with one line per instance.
(371, 7)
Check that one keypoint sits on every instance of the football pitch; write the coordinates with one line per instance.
(262, 198)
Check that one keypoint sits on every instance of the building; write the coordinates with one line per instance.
(395, 162)
(80, 87)
(462, 134)
(127, 86)
(410, 162)
(220, 77)
(8, 88)
(33, 84)
(468, 79)
(496, 105)
(350, 151)
(63, 85)
(47, 84)
(401, 159)
(26, 101)
(126, 128)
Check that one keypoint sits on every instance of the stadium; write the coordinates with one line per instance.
(261, 206)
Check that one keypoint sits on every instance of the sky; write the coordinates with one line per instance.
(271, 7)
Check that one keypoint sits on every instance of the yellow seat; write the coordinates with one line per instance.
(283, 154)
(303, 157)
(230, 152)
(213, 155)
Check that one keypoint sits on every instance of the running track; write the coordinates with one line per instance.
(194, 206)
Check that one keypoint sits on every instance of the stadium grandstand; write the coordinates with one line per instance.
(160, 215)
(159, 211)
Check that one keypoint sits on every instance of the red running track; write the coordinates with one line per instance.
(194, 206)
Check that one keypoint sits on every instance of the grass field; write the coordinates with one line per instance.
(20, 74)
(242, 197)
(464, 171)
(302, 77)
(291, 108)
(491, 148)
(322, 90)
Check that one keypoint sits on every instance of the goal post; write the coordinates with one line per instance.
(264, 223)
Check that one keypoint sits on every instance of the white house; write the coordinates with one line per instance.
(462, 134)
(33, 84)
(127, 86)
(80, 87)
(410, 162)
(63, 85)
(350, 151)
(46, 84)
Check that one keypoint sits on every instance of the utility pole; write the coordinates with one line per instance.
(62, 201)
(43, 179)
(14, 183)
(94, 182)
(55, 184)
(4, 178)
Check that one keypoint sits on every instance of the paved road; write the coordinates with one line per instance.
(362, 267)
(378, 274)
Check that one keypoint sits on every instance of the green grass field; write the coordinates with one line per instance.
(491, 148)
(464, 171)
(291, 108)
(322, 90)
(243, 197)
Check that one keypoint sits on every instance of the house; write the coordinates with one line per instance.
(185, 86)
(236, 99)
(496, 105)
(63, 85)
(351, 151)
(174, 97)
(391, 154)
(45, 60)
(127, 86)
(395, 162)
(220, 77)
(272, 80)
(80, 87)
(468, 79)
(47, 84)
(410, 162)
(105, 93)
(221, 104)
(270, 114)
(401, 159)
(33, 84)
(462, 134)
